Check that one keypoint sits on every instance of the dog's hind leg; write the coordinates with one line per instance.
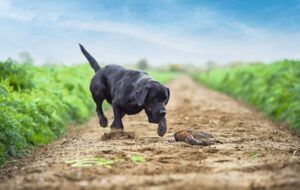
(102, 119)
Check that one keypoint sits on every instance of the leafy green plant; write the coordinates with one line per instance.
(37, 104)
(17, 75)
(137, 158)
(254, 155)
(88, 162)
(273, 88)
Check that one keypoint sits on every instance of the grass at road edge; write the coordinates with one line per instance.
(272, 88)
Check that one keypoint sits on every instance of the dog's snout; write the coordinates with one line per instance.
(162, 113)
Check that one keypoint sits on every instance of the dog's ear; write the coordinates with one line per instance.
(141, 94)
(168, 91)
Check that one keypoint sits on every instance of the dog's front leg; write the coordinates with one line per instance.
(117, 123)
(162, 127)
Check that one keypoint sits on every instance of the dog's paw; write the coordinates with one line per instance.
(103, 122)
(162, 127)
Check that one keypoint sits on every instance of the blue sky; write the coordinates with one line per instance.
(162, 31)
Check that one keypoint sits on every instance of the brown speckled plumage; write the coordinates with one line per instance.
(195, 138)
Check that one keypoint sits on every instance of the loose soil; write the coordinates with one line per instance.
(255, 154)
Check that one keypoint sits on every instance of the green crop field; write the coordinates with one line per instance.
(38, 103)
(272, 88)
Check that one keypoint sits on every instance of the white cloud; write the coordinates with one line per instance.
(8, 11)
(156, 37)
(5, 5)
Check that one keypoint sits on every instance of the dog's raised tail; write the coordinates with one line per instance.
(92, 61)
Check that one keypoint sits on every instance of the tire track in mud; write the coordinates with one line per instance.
(256, 154)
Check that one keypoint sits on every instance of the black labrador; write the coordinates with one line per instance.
(129, 92)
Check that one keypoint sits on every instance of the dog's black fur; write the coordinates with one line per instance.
(129, 92)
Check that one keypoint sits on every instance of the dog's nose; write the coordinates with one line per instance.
(162, 113)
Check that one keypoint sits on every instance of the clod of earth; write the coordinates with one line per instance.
(200, 138)
(118, 135)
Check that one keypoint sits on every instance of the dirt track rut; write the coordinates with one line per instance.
(256, 154)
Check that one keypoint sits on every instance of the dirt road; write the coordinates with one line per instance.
(256, 153)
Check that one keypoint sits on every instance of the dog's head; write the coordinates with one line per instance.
(154, 98)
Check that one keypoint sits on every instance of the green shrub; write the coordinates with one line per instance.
(273, 88)
(37, 104)
(17, 75)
